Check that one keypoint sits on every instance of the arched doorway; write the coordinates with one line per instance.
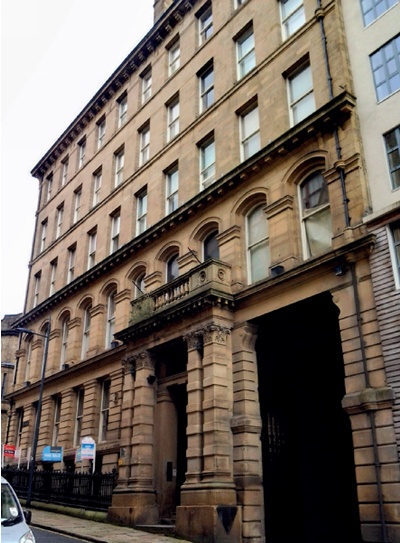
(309, 479)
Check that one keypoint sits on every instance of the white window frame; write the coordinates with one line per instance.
(64, 340)
(43, 235)
(119, 160)
(115, 231)
(253, 246)
(92, 246)
(246, 58)
(206, 28)
(380, 63)
(393, 164)
(64, 171)
(122, 110)
(36, 291)
(80, 399)
(97, 181)
(173, 112)
(104, 410)
(174, 57)
(372, 14)
(206, 88)
(171, 190)
(81, 152)
(28, 359)
(56, 420)
(77, 205)
(144, 153)
(305, 96)
(207, 167)
(110, 329)
(147, 81)
(60, 216)
(249, 134)
(141, 212)
(293, 16)
(139, 287)
(49, 180)
(86, 331)
(71, 264)
(172, 262)
(53, 275)
(101, 133)
(311, 214)
(394, 248)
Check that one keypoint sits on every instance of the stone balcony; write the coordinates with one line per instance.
(208, 282)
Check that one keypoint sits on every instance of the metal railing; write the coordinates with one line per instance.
(86, 490)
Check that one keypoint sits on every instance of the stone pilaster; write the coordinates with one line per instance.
(246, 428)
(67, 419)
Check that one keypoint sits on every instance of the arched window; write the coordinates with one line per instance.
(210, 246)
(86, 330)
(172, 268)
(258, 256)
(64, 340)
(316, 215)
(138, 286)
(110, 329)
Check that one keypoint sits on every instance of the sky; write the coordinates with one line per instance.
(55, 55)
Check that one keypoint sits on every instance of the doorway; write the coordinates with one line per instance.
(308, 466)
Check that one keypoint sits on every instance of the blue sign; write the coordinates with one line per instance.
(52, 454)
(88, 449)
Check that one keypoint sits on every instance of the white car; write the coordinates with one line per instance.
(14, 520)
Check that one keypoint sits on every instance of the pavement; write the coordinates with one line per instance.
(92, 530)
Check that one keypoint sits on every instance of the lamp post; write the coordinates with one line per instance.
(39, 407)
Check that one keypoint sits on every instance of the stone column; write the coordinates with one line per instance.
(246, 428)
(46, 424)
(195, 443)
(209, 507)
(67, 419)
(134, 501)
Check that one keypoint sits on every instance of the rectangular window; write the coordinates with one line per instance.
(115, 229)
(206, 82)
(81, 152)
(92, 245)
(97, 179)
(36, 291)
(205, 19)
(141, 212)
(174, 57)
(101, 132)
(104, 411)
(64, 171)
(372, 9)
(394, 240)
(292, 16)
(80, 397)
(43, 236)
(144, 137)
(122, 110)
(60, 216)
(57, 418)
(53, 275)
(173, 119)
(77, 205)
(146, 85)
(20, 426)
(110, 319)
(64, 341)
(207, 163)
(49, 187)
(250, 133)
(301, 94)
(71, 264)
(86, 331)
(385, 64)
(246, 52)
(119, 159)
(171, 189)
(392, 142)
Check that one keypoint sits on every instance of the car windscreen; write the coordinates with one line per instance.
(10, 510)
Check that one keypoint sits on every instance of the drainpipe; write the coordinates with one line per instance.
(340, 168)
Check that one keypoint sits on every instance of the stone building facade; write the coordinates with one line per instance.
(9, 346)
(202, 260)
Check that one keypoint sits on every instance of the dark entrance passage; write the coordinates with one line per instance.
(309, 481)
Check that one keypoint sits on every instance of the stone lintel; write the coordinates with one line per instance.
(369, 399)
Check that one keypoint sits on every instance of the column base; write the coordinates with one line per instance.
(132, 508)
(209, 523)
